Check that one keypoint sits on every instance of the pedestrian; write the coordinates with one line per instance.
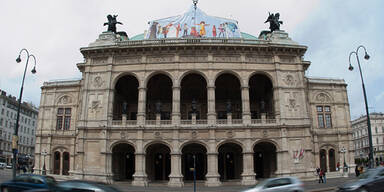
(324, 177)
(321, 176)
(24, 169)
(357, 171)
(337, 166)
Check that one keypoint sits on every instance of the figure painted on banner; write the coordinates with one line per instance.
(112, 23)
(166, 30)
(214, 31)
(153, 30)
(178, 29)
(159, 30)
(194, 32)
(202, 31)
(185, 29)
(231, 28)
(221, 30)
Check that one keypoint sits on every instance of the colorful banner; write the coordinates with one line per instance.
(186, 26)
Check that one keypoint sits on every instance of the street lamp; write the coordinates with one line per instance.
(366, 56)
(15, 138)
(44, 153)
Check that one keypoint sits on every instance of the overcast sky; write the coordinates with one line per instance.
(55, 30)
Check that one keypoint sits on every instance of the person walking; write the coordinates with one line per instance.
(357, 171)
(324, 177)
(321, 176)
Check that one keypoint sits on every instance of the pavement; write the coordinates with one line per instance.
(309, 185)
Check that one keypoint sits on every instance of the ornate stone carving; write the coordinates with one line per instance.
(159, 59)
(265, 133)
(127, 60)
(227, 58)
(291, 102)
(65, 100)
(194, 134)
(193, 58)
(98, 81)
(323, 98)
(258, 59)
(100, 60)
(157, 135)
(230, 134)
(289, 80)
(122, 134)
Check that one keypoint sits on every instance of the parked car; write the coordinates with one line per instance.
(2, 165)
(8, 166)
(29, 181)
(90, 186)
(371, 180)
(281, 184)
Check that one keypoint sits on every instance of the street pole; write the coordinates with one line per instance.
(366, 56)
(15, 137)
(194, 173)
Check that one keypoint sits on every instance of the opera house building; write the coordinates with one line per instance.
(193, 94)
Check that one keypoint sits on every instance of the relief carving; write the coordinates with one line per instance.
(323, 98)
(159, 59)
(258, 59)
(292, 105)
(289, 80)
(194, 134)
(193, 58)
(127, 60)
(65, 100)
(98, 81)
(230, 134)
(226, 58)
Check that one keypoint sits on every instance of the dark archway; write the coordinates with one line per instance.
(228, 96)
(332, 160)
(230, 161)
(194, 153)
(126, 98)
(159, 97)
(261, 96)
(123, 162)
(323, 159)
(56, 162)
(158, 162)
(265, 160)
(193, 90)
(65, 163)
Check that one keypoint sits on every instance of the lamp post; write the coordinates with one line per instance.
(15, 138)
(366, 56)
(44, 153)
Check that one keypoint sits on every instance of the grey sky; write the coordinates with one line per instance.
(54, 31)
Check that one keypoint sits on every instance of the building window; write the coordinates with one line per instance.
(324, 116)
(63, 119)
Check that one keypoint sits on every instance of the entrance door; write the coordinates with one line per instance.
(332, 159)
(158, 162)
(230, 161)
(265, 161)
(323, 159)
(123, 162)
(56, 163)
(65, 163)
(194, 154)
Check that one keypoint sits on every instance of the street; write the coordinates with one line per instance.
(310, 186)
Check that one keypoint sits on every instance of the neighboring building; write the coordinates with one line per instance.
(360, 137)
(239, 106)
(27, 129)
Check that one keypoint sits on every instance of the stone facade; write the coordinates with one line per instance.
(257, 116)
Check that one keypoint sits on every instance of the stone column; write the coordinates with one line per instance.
(327, 159)
(211, 105)
(176, 105)
(124, 119)
(213, 177)
(61, 163)
(140, 176)
(193, 118)
(248, 175)
(245, 105)
(158, 118)
(176, 178)
(229, 118)
(141, 106)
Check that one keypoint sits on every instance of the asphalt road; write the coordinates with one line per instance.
(310, 186)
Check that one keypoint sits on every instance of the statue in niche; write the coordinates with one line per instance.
(125, 107)
(229, 106)
(262, 106)
(158, 107)
(193, 106)
(112, 21)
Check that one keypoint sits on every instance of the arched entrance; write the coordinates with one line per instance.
(159, 97)
(123, 162)
(265, 160)
(125, 98)
(158, 162)
(323, 159)
(194, 154)
(332, 160)
(193, 97)
(261, 96)
(228, 96)
(65, 163)
(230, 161)
(56, 162)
